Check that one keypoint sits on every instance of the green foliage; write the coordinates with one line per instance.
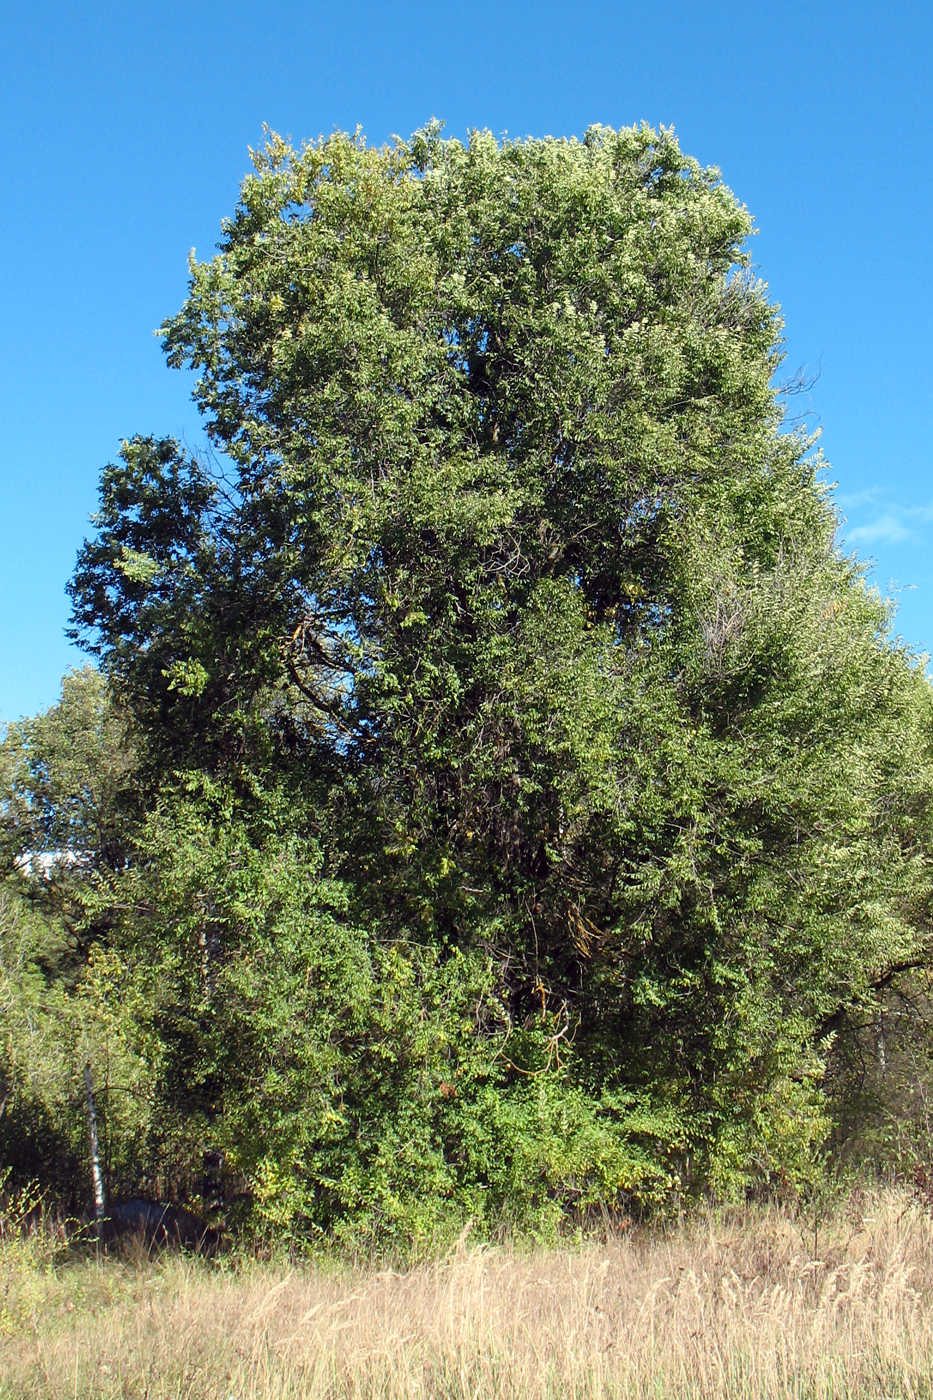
(537, 797)
(67, 804)
(66, 778)
(55, 1020)
(33, 1080)
(365, 1088)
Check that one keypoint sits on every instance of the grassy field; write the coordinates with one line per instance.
(759, 1304)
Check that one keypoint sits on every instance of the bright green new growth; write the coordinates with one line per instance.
(573, 797)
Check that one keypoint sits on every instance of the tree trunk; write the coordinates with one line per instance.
(96, 1176)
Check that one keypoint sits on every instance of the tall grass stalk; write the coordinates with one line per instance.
(730, 1306)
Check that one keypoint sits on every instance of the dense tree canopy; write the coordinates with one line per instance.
(511, 614)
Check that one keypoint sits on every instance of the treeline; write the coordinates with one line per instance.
(500, 799)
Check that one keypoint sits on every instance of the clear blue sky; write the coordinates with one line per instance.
(127, 130)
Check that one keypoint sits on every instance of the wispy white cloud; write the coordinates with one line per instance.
(890, 523)
(888, 528)
(857, 500)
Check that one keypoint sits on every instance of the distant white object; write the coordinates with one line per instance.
(45, 865)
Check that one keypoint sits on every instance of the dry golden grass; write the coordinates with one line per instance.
(752, 1305)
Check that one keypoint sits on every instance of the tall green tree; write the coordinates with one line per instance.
(517, 584)
(69, 801)
(67, 775)
(69, 810)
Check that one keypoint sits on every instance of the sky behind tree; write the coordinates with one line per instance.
(128, 132)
